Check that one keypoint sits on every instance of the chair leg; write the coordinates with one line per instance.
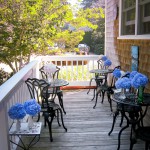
(93, 94)
(60, 97)
(119, 135)
(96, 100)
(58, 118)
(89, 85)
(44, 120)
(121, 119)
(114, 120)
(146, 145)
(88, 91)
(62, 119)
(132, 137)
(50, 126)
(141, 119)
(131, 145)
(103, 93)
(110, 101)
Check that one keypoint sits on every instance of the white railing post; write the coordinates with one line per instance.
(4, 137)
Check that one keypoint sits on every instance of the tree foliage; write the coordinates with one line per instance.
(31, 26)
(97, 37)
(28, 26)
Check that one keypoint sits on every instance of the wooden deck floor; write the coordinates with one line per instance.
(87, 127)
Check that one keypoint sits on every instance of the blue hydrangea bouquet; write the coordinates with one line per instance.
(105, 61)
(123, 83)
(17, 112)
(135, 80)
(32, 108)
(139, 81)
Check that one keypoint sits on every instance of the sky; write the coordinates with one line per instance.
(73, 2)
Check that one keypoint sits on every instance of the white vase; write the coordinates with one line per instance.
(18, 125)
(30, 122)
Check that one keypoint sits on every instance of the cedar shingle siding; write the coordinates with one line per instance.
(119, 50)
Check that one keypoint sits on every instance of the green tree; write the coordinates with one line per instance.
(28, 26)
(31, 26)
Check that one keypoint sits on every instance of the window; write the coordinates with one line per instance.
(135, 18)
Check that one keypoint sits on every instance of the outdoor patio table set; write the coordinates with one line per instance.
(43, 93)
(127, 91)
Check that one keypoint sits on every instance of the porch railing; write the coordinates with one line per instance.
(75, 69)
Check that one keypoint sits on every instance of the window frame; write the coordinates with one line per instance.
(136, 35)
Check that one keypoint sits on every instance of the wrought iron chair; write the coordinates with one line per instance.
(35, 89)
(52, 107)
(54, 76)
(139, 131)
(103, 88)
(142, 133)
(39, 90)
(132, 113)
(98, 77)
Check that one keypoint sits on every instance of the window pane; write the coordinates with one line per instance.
(144, 18)
(146, 28)
(128, 3)
(129, 30)
(128, 17)
(147, 10)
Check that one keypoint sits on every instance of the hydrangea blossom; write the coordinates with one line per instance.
(117, 73)
(124, 83)
(107, 62)
(139, 80)
(132, 74)
(32, 107)
(104, 58)
(17, 111)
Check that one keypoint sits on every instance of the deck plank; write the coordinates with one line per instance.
(87, 127)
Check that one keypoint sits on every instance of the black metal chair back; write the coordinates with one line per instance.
(100, 64)
(34, 88)
(46, 74)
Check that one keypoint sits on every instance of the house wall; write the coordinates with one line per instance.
(119, 50)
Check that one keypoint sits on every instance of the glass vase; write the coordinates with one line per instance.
(30, 122)
(18, 125)
(140, 94)
(122, 94)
